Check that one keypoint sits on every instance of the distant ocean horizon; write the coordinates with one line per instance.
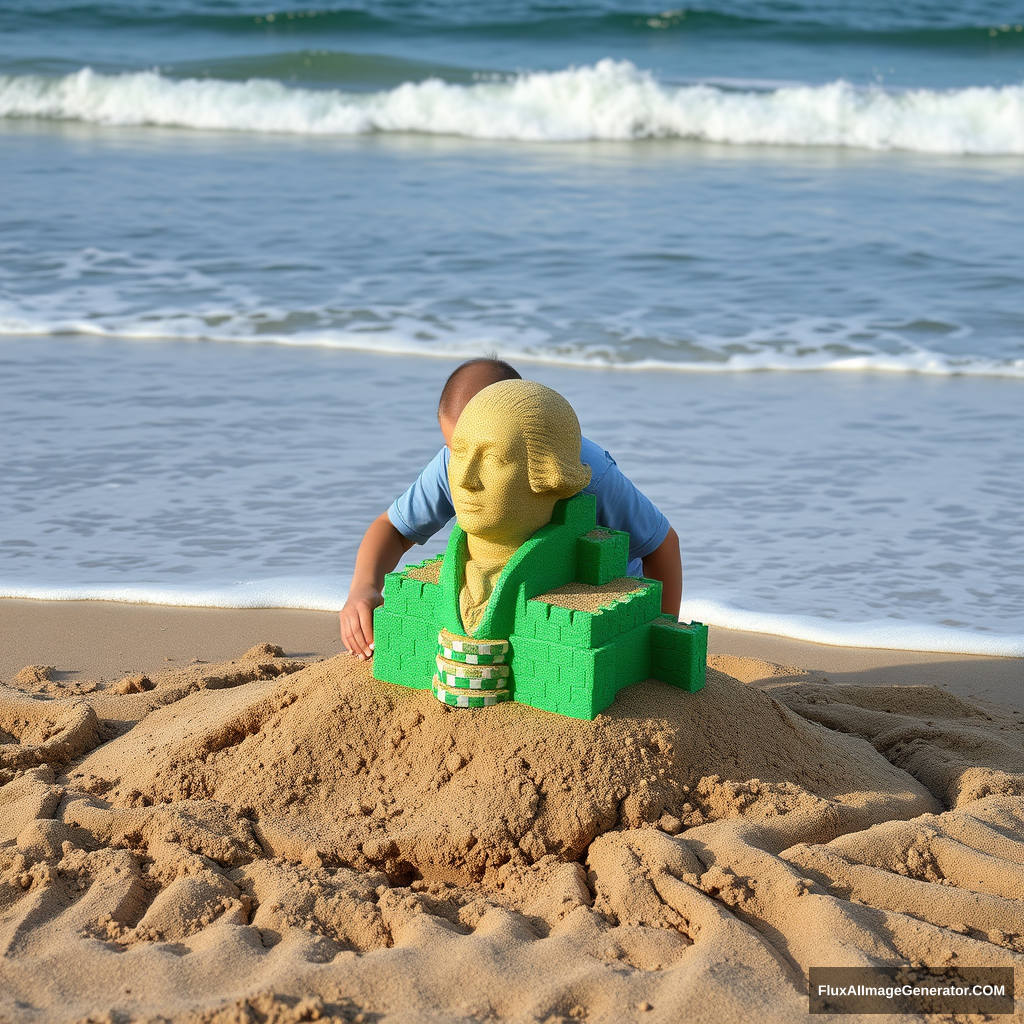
(771, 252)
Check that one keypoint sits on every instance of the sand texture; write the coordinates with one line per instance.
(268, 839)
(586, 597)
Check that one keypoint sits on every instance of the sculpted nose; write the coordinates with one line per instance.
(469, 475)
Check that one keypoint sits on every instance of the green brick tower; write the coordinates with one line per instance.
(560, 657)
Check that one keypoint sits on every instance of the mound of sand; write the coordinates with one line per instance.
(334, 765)
(44, 732)
(263, 840)
(960, 752)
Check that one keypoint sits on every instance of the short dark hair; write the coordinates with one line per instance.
(469, 378)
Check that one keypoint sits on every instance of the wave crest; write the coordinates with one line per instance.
(405, 334)
(611, 100)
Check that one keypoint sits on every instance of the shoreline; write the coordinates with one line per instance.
(322, 596)
(107, 640)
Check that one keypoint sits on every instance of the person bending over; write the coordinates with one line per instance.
(426, 507)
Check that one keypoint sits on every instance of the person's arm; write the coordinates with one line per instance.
(414, 518)
(664, 563)
(379, 551)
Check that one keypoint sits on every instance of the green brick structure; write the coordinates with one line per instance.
(532, 645)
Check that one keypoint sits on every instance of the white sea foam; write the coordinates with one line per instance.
(308, 592)
(610, 100)
(886, 634)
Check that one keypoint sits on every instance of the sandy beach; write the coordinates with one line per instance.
(214, 815)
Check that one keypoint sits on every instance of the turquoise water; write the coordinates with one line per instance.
(772, 252)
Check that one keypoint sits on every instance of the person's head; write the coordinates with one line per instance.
(465, 382)
(515, 451)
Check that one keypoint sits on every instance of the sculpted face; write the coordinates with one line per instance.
(489, 478)
(515, 452)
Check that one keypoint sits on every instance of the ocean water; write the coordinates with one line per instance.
(772, 252)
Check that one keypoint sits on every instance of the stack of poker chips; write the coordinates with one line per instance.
(471, 673)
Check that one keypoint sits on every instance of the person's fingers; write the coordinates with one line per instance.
(352, 634)
(346, 633)
(366, 625)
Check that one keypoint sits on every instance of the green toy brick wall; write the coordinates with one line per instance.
(575, 681)
(601, 556)
(549, 622)
(679, 653)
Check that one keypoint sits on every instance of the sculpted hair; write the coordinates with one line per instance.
(550, 432)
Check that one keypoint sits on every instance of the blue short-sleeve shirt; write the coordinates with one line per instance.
(426, 506)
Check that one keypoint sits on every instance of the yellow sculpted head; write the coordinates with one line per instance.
(515, 451)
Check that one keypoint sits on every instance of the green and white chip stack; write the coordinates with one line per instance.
(471, 673)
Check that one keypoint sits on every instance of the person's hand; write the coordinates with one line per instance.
(357, 621)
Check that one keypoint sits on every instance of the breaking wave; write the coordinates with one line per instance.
(610, 100)
(785, 347)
